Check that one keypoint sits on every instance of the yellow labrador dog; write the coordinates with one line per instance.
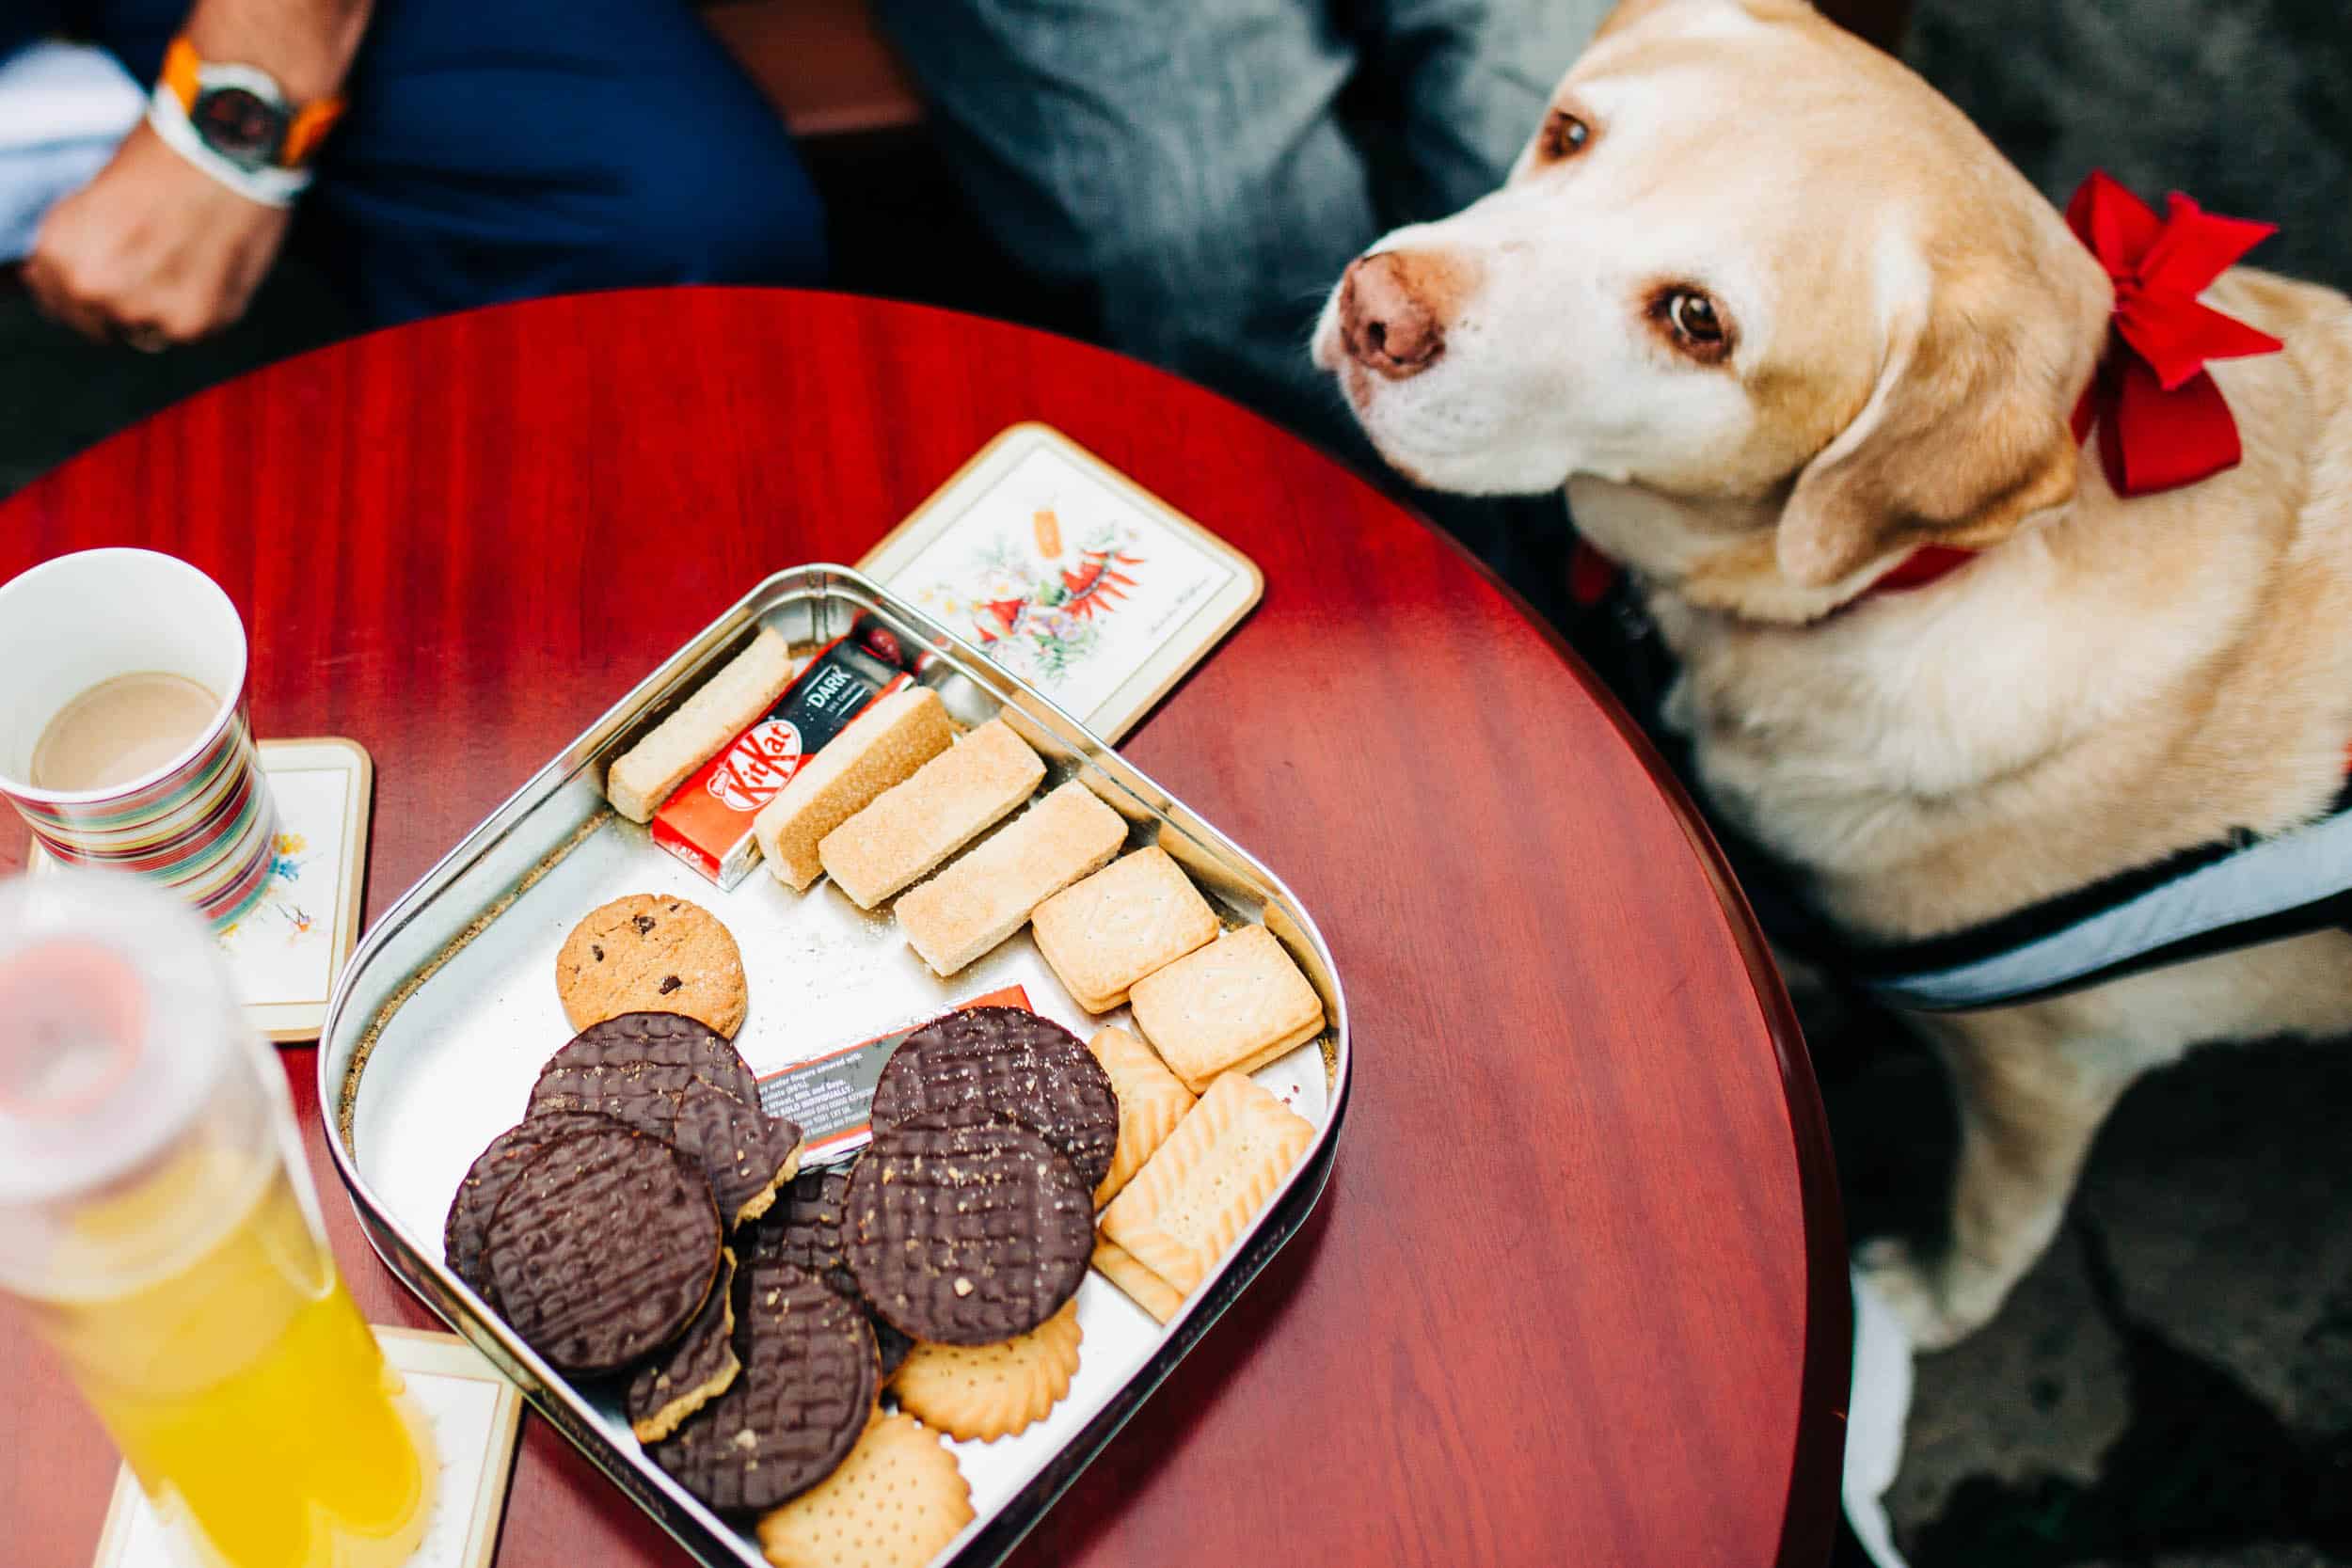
(1776, 315)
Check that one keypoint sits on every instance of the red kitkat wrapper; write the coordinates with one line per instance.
(707, 822)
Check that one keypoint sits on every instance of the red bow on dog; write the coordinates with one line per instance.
(2162, 421)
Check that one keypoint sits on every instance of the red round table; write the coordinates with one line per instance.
(1577, 1291)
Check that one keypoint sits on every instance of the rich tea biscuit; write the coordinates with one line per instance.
(691, 1372)
(804, 1395)
(465, 1230)
(895, 1502)
(1140, 1285)
(1231, 1007)
(1152, 1100)
(906, 833)
(1005, 1062)
(649, 952)
(965, 910)
(603, 1248)
(1209, 1181)
(1133, 917)
(984, 1392)
(967, 1234)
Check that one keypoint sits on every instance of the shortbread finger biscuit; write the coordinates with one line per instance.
(1136, 915)
(987, 896)
(1152, 1100)
(652, 954)
(1233, 1006)
(1208, 1181)
(911, 829)
(723, 708)
(895, 1502)
(882, 746)
(985, 1392)
(1142, 1287)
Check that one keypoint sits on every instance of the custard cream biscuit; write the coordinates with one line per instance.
(1231, 1007)
(1136, 915)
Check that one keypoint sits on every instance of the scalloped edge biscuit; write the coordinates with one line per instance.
(1152, 1100)
(1211, 1179)
(895, 1502)
(984, 1392)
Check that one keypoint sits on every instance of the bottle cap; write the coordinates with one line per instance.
(116, 1019)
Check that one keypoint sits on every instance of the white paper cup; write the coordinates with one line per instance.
(202, 823)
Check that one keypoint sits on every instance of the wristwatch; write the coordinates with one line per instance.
(237, 124)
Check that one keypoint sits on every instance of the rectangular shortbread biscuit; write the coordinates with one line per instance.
(721, 708)
(910, 828)
(1195, 1196)
(1150, 1103)
(880, 747)
(987, 896)
(1138, 915)
(1144, 1288)
(1233, 1006)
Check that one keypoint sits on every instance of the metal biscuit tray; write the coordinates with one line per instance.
(449, 1008)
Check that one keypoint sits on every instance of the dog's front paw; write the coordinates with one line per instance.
(1920, 1293)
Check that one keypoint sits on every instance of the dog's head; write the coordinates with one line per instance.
(1750, 264)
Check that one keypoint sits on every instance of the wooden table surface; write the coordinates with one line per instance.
(1577, 1291)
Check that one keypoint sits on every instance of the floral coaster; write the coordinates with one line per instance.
(1069, 575)
(287, 951)
(475, 1414)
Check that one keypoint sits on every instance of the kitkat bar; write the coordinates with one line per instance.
(707, 822)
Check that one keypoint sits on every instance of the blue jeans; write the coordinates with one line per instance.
(500, 150)
(1206, 168)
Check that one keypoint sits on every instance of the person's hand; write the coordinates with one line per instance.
(154, 251)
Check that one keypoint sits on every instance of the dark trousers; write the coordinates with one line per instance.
(500, 150)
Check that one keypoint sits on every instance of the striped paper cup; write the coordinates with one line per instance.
(202, 823)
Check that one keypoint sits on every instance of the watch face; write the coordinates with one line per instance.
(239, 125)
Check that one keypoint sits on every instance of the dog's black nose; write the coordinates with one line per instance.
(1387, 317)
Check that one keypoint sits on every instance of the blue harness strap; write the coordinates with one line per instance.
(2234, 892)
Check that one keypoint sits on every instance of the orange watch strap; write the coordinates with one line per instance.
(309, 129)
(181, 65)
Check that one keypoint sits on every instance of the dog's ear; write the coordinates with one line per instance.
(1965, 433)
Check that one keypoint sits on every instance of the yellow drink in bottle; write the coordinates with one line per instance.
(189, 1289)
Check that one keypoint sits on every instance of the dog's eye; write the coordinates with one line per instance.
(1564, 135)
(1692, 316)
(1690, 322)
